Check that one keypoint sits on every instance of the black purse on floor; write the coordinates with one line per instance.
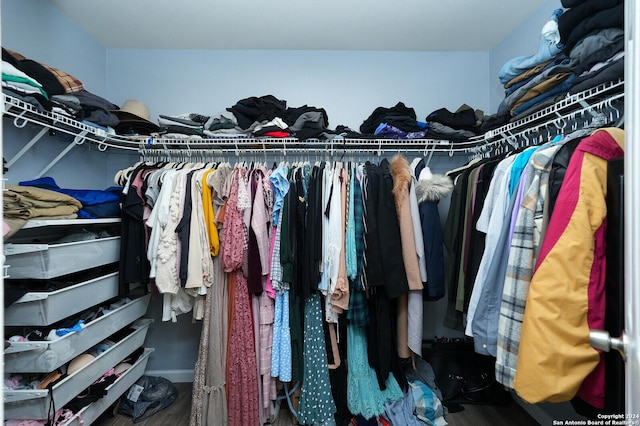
(464, 376)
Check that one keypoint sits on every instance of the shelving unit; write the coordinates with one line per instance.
(34, 404)
(44, 310)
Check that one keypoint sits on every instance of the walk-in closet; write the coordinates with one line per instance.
(320, 214)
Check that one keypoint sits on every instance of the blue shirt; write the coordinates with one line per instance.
(280, 188)
(547, 49)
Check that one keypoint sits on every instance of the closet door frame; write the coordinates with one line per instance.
(632, 212)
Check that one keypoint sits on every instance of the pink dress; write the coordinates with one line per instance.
(242, 369)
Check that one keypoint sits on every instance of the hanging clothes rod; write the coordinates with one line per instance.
(568, 110)
(370, 147)
(608, 110)
(230, 154)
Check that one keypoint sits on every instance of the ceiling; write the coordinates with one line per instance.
(402, 25)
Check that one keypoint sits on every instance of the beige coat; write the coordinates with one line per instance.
(401, 174)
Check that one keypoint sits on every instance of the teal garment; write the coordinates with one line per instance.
(316, 400)
(364, 396)
(350, 245)
(518, 167)
(17, 79)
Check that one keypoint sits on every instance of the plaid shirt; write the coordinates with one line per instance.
(358, 313)
(69, 82)
(522, 259)
(66, 80)
(276, 266)
(364, 283)
(350, 240)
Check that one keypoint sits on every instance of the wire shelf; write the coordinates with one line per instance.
(562, 111)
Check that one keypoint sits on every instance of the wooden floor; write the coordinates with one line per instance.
(177, 414)
(486, 415)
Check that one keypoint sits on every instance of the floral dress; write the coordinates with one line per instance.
(242, 370)
(316, 401)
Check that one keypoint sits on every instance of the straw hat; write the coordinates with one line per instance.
(135, 112)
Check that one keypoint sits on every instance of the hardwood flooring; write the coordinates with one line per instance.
(178, 413)
(487, 415)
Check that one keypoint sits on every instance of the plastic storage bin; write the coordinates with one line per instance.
(91, 412)
(46, 261)
(46, 308)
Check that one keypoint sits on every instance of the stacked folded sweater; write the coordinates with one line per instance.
(534, 80)
(580, 48)
(592, 32)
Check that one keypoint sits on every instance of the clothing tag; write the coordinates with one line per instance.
(134, 393)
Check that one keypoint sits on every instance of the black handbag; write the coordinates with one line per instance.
(464, 376)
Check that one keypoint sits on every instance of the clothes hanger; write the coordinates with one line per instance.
(618, 121)
(430, 156)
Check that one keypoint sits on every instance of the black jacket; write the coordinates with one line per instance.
(607, 18)
(385, 265)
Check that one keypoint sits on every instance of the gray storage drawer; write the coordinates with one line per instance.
(46, 261)
(91, 412)
(46, 356)
(46, 308)
(34, 404)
